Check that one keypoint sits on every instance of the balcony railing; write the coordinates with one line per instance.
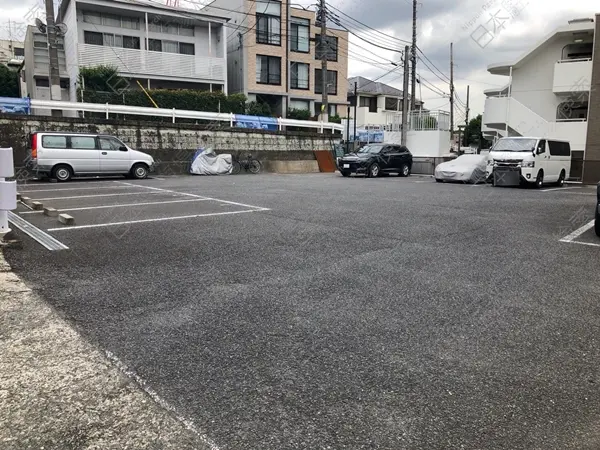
(572, 75)
(149, 63)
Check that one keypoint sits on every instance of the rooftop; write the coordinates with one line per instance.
(369, 87)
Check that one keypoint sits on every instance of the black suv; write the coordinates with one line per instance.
(377, 159)
(597, 222)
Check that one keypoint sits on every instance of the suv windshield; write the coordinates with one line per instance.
(514, 145)
(371, 148)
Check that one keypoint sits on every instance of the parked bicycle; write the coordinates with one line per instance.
(249, 164)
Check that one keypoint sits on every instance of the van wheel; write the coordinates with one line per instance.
(539, 181)
(62, 172)
(139, 171)
(561, 179)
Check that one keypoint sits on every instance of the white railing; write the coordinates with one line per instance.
(108, 109)
(143, 62)
(563, 61)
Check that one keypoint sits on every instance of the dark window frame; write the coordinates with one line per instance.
(269, 59)
(260, 35)
(318, 82)
(296, 36)
(295, 64)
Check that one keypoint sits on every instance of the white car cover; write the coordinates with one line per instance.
(207, 162)
(465, 168)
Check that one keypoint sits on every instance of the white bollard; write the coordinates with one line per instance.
(8, 189)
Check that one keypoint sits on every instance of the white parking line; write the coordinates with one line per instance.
(559, 189)
(585, 243)
(194, 195)
(121, 205)
(76, 189)
(98, 195)
(161, 219)
(575, 234)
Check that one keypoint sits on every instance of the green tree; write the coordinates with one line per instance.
(298, 114)
(472, 133)
(9, 82)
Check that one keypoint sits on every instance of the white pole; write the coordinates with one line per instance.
(8, 189)
(508, 100)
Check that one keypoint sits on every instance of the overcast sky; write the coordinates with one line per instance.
(439, 22)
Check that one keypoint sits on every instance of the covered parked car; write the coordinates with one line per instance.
(376, 159)
(597, 222)
(465, 169)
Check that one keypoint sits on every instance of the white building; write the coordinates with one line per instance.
(158, 46)
(11, 51)
(547, 90)
(378, 103)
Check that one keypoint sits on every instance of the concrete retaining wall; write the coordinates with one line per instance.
(173, 145)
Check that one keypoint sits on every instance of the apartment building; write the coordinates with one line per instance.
(274, 56)
(158, 46)
(37, 68)
(549, 92)
(377, 103)
(11, 51)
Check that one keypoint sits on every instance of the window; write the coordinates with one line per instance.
(559, 148)
(300, 104)
(368, 102)
(186, 49)
(131, 42)
(268, 22)
(331, 82)
(19, 52)
(64, 84)
(42, 82)
(186, 30)
(332, 109)
(91, 37)
(92, 17)
(155, 45)
(299, 75)
(54, 141)
(300, 38)
(393, 104)
(158, 26)
(111, 20)
(108, 143)
(541, 148)
(268, 70)
(83, 142)
(170, 46)
(40, 44)
(329, 46)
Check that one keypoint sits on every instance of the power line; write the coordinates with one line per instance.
(431, 62)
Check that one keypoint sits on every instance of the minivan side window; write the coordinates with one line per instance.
(559, 148)
(108, 143)
(83, 142)
(54, 141)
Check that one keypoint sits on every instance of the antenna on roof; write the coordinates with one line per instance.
(173, 3)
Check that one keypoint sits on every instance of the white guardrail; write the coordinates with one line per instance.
(8, 189)
(107, 109)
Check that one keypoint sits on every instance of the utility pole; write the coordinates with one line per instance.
(452, 92)
(324, 73)
(355, 112)
(467, 118)
(413, 59)
(55, 94)
(405, 96)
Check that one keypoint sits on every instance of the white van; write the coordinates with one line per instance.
(515, 161)
(65, 155)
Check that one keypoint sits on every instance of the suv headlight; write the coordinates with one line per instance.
(528, 164)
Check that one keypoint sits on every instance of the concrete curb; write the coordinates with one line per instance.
(58, 391)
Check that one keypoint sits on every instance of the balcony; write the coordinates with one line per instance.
(149, 64)
(572, 76)
(494, 112)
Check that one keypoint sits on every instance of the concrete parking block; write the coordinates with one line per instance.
(50, 212)
(37, 206)
(26, 200)
(66, 219)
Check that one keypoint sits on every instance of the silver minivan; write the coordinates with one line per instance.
(66, 155)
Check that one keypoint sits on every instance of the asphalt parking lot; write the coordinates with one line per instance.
(315, 311)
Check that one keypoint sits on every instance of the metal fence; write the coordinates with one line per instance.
(174, 114)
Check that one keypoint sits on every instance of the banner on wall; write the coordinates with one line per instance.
(12, 105)
(256, 122)
(368, 136)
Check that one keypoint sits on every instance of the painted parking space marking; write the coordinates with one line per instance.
(559, 189)
(575, 234)
(197, 196)
(161, 219)
(97, 195)
(122, 205)
(74, 189)
(35, 233)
